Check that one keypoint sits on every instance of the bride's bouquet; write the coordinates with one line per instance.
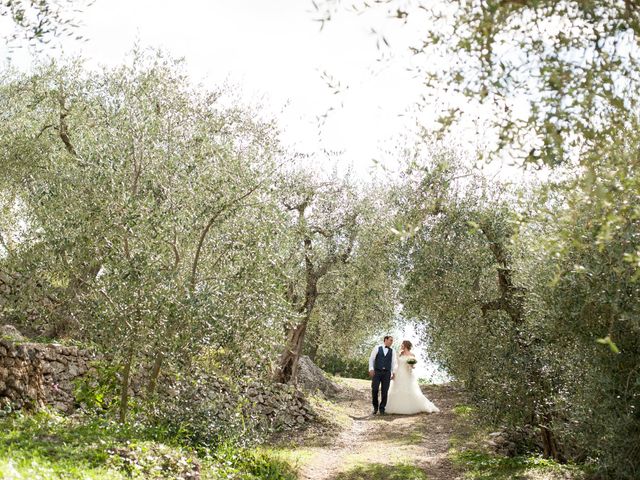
(412, 361)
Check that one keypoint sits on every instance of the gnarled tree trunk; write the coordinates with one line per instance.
(511, 301)
(287, 370)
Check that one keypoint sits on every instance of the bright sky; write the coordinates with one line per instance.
(279, 56)
(424, 368)
(277, 53)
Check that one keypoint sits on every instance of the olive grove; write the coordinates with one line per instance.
(166, 227)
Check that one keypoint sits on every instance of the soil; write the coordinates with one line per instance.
(359, 442)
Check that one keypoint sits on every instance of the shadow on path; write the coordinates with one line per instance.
(379, 471)
(389, 447)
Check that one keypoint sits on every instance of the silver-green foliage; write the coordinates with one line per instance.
(145, 221)
(561, 351)
(550, 77)
(340, 282)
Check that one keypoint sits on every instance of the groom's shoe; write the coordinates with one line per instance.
(382, 412)
(375, 410)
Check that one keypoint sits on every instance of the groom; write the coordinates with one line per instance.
(382, 364)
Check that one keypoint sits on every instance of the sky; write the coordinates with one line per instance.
(276, 52)
(279, 57)
(425, 368)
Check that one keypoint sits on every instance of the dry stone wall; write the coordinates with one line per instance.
(283, 406)
(35, 374)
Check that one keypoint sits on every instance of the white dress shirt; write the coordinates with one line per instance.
(374, 352)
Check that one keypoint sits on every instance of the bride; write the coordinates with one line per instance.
(405, 396)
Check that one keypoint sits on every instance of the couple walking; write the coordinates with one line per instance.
(401, 393)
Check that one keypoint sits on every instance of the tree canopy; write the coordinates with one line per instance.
(554, 78)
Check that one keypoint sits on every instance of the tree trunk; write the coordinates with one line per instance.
(549, 442)
(512, 301)
(288, 370)
(124, 387)
(155, 373)
(313, 351)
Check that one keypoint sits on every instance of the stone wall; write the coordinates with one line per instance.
(283, 406)
(35, 374)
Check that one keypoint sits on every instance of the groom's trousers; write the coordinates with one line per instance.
(380, 378)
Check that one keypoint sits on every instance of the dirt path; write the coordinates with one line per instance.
(391, 446)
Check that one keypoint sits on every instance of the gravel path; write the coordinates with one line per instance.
(379, 444)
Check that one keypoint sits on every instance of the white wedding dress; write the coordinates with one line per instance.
(405, 396)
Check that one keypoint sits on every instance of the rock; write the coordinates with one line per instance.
(74, 370)
(69, 351)
(10, 332)
(33, 374)
(313, 379)
(57, 367)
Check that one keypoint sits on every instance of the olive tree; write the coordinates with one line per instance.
(466, 282)
(324, 216)
(553, 77)
(358, 301)
(149, 222)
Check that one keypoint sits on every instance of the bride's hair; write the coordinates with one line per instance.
(407, 344)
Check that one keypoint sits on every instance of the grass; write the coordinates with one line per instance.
(410, 437)
(482, 465)
(331, 413)
(63, 342)
(463, 411)
(47, 445)
(351, 382)
(377, 471)
(295, 457)
(471, 455)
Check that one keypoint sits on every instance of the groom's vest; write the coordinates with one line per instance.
(383, 362)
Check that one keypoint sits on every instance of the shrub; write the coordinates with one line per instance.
(344, 367)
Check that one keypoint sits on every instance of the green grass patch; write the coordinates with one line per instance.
(479, 465)
(470, 454)
(463, 411)
(18, 467)
(229, 462)
(411, 437)
(62, 342)
(48, 445)
(295, 457)
(377, 471)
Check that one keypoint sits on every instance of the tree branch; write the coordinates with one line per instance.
(205, 231)
(219, 259)
(174, 248)
(63, 129)
(511, 297)
(43, 129)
